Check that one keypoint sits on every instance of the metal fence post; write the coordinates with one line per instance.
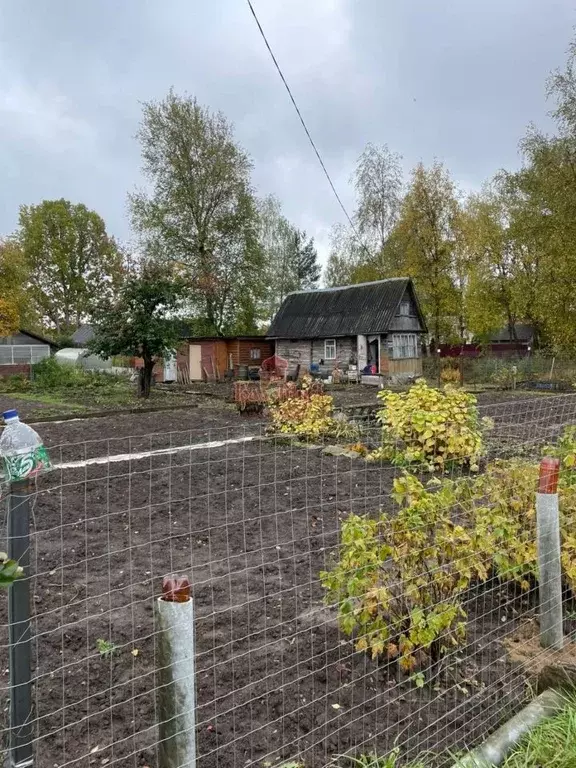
(176, 675)
(549, 563)
(20, 746)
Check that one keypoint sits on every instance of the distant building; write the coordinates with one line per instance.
(211, 358)
(21, 349)
(83, 335)
(524, 335)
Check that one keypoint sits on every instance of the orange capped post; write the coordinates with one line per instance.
(549, 473)
(549, 555)
(176, 674)
(176, 589)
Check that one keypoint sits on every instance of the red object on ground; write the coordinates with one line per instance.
(549, 472)
(176, 589)
(274, 367)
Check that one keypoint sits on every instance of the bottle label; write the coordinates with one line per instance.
(23, 464)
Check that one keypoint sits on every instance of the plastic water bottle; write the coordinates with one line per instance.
(22, 451)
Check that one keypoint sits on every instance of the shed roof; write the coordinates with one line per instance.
(39, 338)
(347, 311)
(524, 332)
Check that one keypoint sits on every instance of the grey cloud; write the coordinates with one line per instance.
(457, 81)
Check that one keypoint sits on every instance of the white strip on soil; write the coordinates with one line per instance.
(159, 452)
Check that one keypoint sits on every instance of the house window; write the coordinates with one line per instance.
(404, 345)
(330, 349)
(255, 353)
(404, 308)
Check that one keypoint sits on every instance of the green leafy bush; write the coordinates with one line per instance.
(429, 426)
(565, 450)
(50, 374)
(9, 570)
(501, 507)
(399, 579)
(16, 383)
(503, 511)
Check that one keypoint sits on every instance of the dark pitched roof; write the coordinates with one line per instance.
(38, 337)
(83, 335)
(524, 333)
(353, 309)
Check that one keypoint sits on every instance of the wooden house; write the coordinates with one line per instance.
(211, 358)
(376, 327)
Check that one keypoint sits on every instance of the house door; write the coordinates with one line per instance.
(195, 362)
(374, 352)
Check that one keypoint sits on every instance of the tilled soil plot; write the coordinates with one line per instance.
(252, 521)
(525, 424)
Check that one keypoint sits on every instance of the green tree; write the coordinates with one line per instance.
(491, 300)
(290, 257)
(427, 236)
(9, 317)
(307, 270)
(378, 183)
(201, 214)
(72, 262)
(346, 255)
(542, 220)
(14, 274)
(141, 321)
(367, 250)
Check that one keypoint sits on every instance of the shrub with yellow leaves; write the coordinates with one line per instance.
(311, 416)
(399, 579)
(450, 374)
(305, 416)
(432, 427)
(502, 510)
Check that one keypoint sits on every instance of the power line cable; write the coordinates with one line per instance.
(310, 139)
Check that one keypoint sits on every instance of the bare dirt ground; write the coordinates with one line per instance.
(252, 522)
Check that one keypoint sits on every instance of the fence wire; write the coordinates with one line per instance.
(252, 520)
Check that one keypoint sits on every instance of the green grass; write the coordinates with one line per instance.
(69, 389)
(55, 399)
(552, 744)
(373, 760)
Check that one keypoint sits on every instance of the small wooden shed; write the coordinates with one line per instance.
(209, 358)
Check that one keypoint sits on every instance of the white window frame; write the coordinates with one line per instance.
(404, 305)
(329, 343)
(255, 353)
(405, 346)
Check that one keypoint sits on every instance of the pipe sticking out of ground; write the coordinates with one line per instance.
(176, 693)
(495, 749)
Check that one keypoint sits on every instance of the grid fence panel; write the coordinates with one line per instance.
(254, 520)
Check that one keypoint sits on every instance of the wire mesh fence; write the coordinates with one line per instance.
(255, 521)
(536, 371)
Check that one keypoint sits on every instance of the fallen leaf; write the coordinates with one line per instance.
(94, 749)
(336, 706)
(135, 652)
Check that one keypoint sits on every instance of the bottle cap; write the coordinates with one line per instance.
(13, 414)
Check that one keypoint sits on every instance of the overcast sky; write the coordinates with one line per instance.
(454, 79)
